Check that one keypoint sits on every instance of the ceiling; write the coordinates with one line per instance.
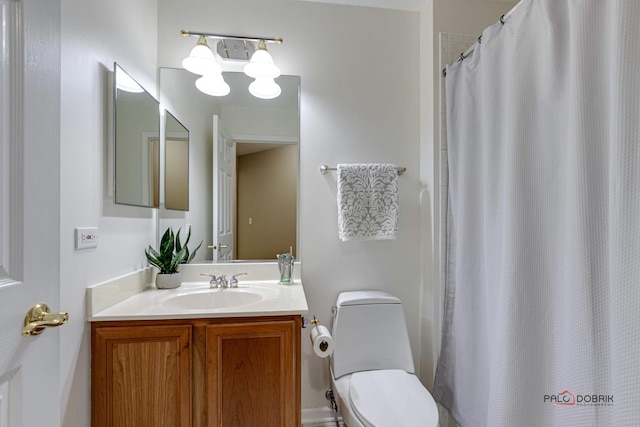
(411, 5)
(385, 4)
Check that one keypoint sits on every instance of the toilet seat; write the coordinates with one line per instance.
(391, 398)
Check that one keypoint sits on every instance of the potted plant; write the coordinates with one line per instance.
(169, 257)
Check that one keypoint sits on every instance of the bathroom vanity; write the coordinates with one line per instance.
(175, 358)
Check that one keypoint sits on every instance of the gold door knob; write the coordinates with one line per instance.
(40, 317)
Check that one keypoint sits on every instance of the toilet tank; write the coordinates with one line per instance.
(369, 333)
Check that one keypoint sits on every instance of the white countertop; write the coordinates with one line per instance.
(154, 304)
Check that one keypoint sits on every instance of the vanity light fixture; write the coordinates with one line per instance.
(263, 70)
(265, 88)
(201, 59)
(213, 84)
(261, 67)
(261, 63)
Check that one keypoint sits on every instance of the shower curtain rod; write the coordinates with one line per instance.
(468, 52)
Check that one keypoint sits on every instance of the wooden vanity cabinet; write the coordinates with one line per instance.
(253, 373)
(203, 372)
(140, 375)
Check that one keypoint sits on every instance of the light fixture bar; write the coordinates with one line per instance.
(186, 33)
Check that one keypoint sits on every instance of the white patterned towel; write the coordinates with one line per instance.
(367, 201)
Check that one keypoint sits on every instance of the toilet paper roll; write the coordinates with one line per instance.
(321, 341)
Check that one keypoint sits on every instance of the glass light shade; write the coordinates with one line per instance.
(201, 60)
(261, 64)
(213, 84)
(264, 88)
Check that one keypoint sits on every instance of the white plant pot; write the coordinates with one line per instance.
(168, 281)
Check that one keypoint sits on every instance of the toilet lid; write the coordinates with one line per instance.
(391, 398)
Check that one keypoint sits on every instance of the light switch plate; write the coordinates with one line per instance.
(86, 237)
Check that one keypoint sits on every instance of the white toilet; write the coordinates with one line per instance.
(372, 371)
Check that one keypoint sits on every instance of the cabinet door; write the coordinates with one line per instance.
(141, 376)
(253, 374)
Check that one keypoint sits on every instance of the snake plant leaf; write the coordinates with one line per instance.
(186, 242)
(152, 258)
(178, 244)
(152, 253)
(166, 244)
(172, 252)
(189, 255)
(178, 258)
(193, 254)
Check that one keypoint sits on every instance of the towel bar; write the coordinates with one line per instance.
(325, 169)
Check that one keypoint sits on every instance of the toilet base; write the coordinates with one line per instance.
(340, 388)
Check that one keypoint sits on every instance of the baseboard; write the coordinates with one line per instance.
(321, 417)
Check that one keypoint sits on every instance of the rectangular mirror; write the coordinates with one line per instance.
(176, 164)
(137, 142)
(244, 165)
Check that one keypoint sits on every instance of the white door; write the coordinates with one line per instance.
(29, 209)
(224, 165)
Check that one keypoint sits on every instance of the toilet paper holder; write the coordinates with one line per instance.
(323, 345)
(306, 322)
(320, 337)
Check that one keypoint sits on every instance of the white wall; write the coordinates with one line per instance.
(359, 103)
(256, 122)
(94, 35)
(364, 99)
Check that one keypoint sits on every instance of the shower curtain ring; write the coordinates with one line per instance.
(502, 19)
(480, 39)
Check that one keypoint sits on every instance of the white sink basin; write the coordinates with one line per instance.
(195, 299)
(216, 298)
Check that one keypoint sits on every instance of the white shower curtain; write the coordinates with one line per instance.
(542, 305)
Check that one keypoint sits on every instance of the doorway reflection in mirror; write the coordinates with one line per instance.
(264, 137)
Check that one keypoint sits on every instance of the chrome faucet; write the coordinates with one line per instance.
(233, 283)
(217, 282)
